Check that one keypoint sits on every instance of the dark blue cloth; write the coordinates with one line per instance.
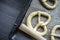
(11, 15)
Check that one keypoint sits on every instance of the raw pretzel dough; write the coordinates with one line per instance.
(53, 34)
(45, 4)
(40, 23)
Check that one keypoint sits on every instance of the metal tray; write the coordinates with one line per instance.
(55, 20)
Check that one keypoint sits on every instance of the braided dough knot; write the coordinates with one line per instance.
(40, 23)
(46, 5)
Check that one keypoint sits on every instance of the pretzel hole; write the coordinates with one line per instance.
(43, 18)
(50, 2)
(40, 29)
(57, 38)
(34, 21)
(57, 31)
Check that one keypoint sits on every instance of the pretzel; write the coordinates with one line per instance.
(53, 34)
(46, 5)
(40, 23)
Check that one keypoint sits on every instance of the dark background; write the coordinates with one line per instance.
(11, 15)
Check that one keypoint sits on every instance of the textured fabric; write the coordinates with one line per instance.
(11, 14)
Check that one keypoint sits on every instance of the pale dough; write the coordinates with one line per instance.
(45, 4)
(40, 23)
(53, 34)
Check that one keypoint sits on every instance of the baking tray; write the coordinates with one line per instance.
(11, 15)
(55, 20)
